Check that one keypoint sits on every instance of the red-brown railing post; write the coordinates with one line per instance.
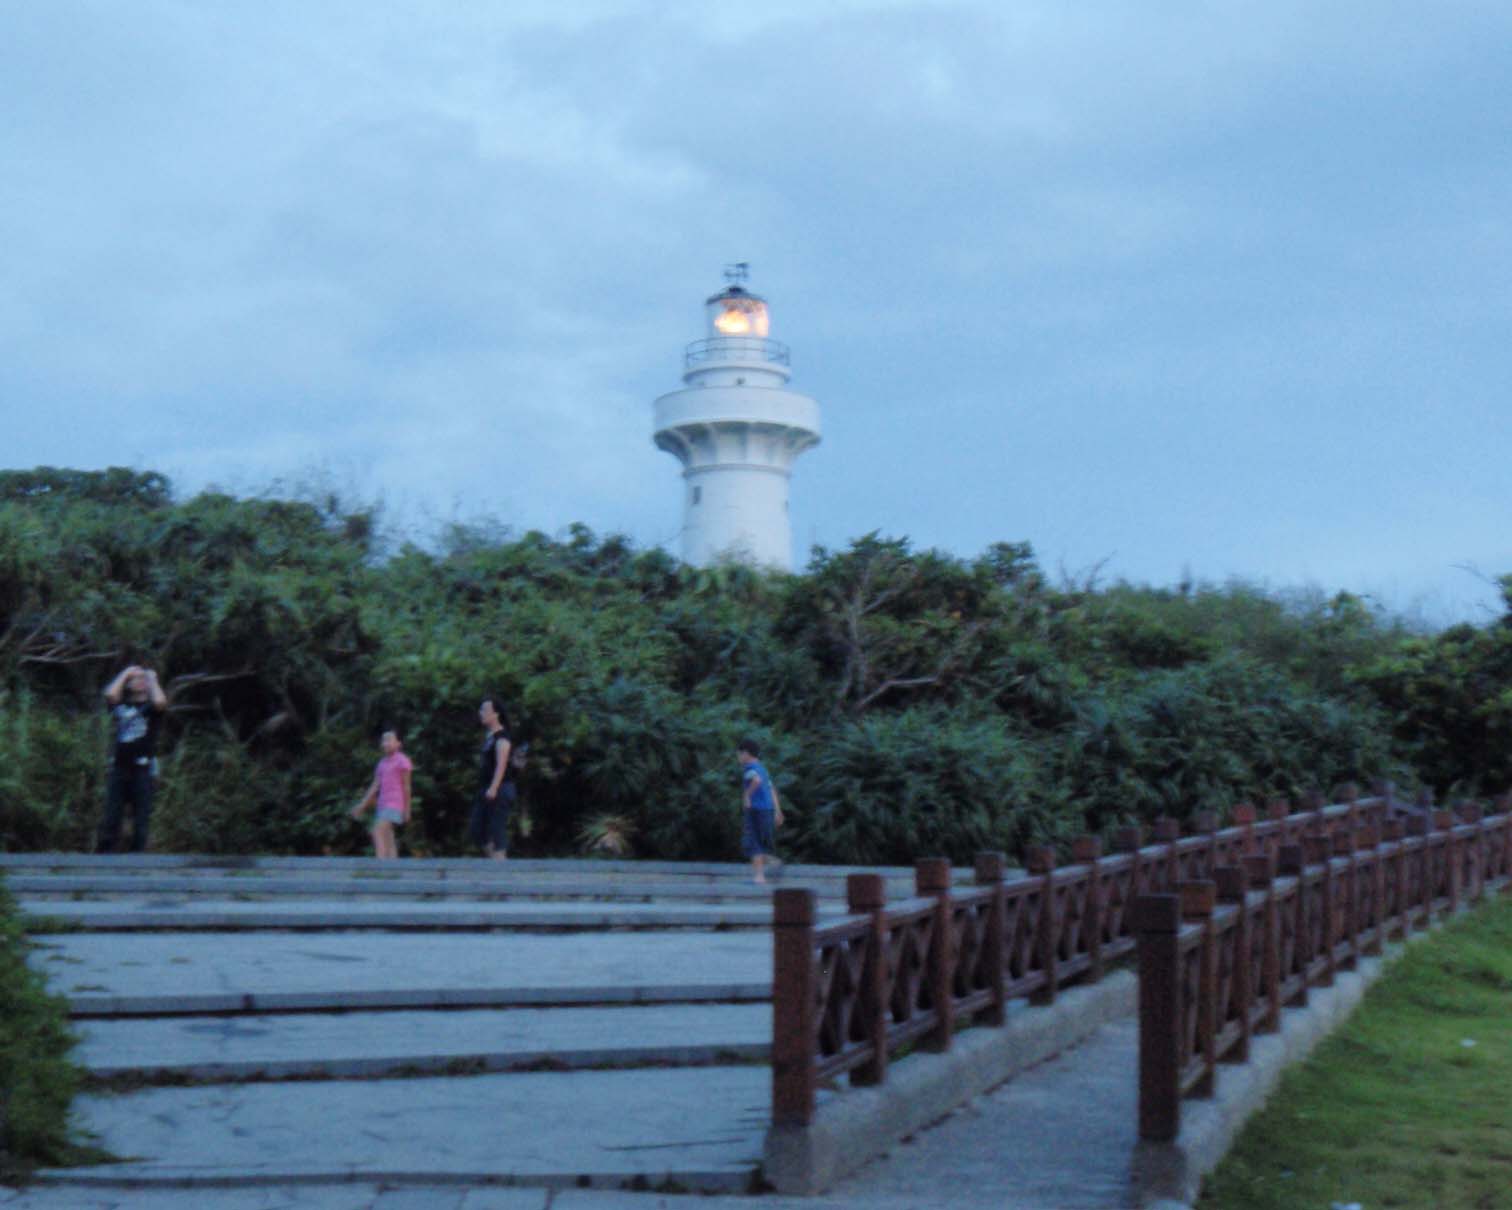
(1129, 840)
(1348, 889)
(1041, 864)
(1394, 835)
(990, 868)
(1319, 852)
(866, 895)
(1278, 812)
(1472, 816)
(1445, 822)
(793, 1006)
(1157, 922)
(1231, 886)
(1260, 873)
(1378, 889)
(1292, 863)
(1244, 818)
(932, 880)
(1349, 794)
(1198, 899)
(1205, 823)
(1418, 826)
(1167, 832)
(1086, 850)
(1316, 822)
(1394, 831)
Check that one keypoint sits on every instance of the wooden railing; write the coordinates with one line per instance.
(1221, 954)
(849, 994)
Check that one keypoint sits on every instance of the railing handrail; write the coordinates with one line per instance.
(1314, 919)
(842, 1002)
(736, 349)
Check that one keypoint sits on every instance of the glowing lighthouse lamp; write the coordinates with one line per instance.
(737, 430)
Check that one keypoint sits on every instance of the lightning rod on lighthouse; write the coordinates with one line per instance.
(737, 430)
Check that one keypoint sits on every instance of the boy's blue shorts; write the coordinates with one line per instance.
(758, 834)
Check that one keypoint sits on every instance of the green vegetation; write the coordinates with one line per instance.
(909, 701)
(1407, 1105)
(37, 1081)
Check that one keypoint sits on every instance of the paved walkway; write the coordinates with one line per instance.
(1056, 1138)
(647, 1068)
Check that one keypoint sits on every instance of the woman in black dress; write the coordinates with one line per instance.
(489, 824)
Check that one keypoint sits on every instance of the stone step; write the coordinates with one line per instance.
(368, 1045)
(85, 875)
(430, 867)
(504, 887)
(694, 1129)
(167, 973)
(86, 1005)
(123, 914)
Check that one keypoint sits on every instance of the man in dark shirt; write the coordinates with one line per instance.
(136, 702)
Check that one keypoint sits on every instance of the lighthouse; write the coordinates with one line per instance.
(737, 430)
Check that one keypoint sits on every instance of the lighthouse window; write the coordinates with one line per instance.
(697, 494)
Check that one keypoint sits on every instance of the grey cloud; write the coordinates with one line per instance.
(1165, 281)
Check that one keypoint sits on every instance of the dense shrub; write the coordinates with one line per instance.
(910, 702)
(37, 1081)
(51, 773)
(888, 788)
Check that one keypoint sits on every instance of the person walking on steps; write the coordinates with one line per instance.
(760, 809)
(488, 826)
(136, 703)
(389, 795)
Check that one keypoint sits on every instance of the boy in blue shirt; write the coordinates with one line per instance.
(760, 809)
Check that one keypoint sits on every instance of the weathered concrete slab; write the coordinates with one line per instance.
(149, 913)
(437, 867)
(266, 886)
(700, 1128)
(371, 1045)
(166, 973)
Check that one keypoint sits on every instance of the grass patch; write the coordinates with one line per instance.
(37, 1080)
(1409, 1104)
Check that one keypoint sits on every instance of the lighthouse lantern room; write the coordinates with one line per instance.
(737, 430)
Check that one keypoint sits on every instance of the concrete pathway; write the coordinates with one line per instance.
(1057, 1137)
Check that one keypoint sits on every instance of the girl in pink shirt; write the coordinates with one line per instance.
(391, 792)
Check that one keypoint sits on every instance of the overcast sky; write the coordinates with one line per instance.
(1175, 289)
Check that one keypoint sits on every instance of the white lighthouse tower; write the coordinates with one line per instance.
(737, 430)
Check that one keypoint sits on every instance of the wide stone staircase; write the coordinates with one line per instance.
(545, 1023)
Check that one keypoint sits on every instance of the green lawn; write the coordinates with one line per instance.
(1409, 1104)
